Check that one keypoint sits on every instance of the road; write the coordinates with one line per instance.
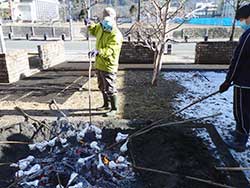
(70, 47)
(180, 51)
(82, 46)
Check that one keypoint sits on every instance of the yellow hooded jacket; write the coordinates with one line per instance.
(109, 46)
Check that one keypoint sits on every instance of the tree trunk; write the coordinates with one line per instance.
(233, 30)
(157, 65)
(234, 22)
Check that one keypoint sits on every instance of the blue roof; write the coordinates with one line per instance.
(207, 21)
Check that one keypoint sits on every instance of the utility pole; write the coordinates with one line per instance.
(70, 19)
(89, 9)
(139, 17)
(2, 42)
(139, 11)
(11, 9)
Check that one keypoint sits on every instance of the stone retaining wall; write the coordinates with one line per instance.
(14, 65)
(135, 54)
(51, 54)
(214, 52)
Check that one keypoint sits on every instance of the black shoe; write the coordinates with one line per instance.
(238, 143)
(237, 146)
(103, 108)
(105, 105)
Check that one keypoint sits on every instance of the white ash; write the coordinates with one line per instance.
(124, 147)
(120, 137)
(72, 177)
(94, 145)
(24, 163)
(120, 159)
(32, 170)
(100, 163)
(32, 183)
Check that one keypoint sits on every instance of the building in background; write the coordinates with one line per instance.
(4, 10)
(35, 10)
(228, 9)
(205, 9)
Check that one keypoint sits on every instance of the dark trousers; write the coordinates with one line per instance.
(242, 109)
(106, 82)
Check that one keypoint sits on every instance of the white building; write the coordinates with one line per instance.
(204, 10)
(36, 10)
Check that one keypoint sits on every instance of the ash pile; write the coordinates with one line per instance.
(75, 158)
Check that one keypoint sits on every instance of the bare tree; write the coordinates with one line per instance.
(235, 5)
(154, 32)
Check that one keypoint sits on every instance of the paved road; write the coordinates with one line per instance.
(182, 52)
(76, 46)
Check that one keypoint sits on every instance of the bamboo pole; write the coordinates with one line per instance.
(232, 168)
(14, 142)
(5, 164)
(171, 124)
(187, 177)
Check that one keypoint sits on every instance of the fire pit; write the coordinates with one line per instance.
(75, 158)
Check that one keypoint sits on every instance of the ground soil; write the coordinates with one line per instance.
(176, 150)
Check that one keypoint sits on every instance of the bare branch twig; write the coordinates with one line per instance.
(29, 117)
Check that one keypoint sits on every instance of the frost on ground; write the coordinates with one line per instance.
(199, 84)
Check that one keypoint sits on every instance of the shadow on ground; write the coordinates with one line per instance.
(44, 86)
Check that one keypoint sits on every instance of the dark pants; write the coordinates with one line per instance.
(242, 109)
(106, 82)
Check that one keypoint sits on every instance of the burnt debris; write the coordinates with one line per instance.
(75, 158)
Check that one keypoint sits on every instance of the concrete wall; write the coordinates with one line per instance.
(214, 52)
(21, 31)
(13, 66)
(79, 31)
(51, 54)
(135, 54)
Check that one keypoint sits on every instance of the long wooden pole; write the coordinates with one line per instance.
(187, 177)
(90, 68)
(232, 168)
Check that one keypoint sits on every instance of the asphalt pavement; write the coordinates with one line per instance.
(181, 52)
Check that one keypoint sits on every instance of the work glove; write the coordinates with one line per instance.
(93, 53)
(224, 86)
(87, 21)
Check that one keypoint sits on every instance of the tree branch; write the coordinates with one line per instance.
(174, 28)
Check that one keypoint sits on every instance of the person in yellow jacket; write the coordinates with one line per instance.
(108, 46)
